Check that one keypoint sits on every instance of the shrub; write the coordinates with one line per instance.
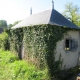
(3, 39)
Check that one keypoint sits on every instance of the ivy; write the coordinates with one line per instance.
(40, 44)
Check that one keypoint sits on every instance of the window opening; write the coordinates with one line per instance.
(68, 44)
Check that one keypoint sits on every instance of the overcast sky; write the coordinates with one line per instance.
(13, 10)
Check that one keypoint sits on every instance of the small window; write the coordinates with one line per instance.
(71, 44)
(68, 44)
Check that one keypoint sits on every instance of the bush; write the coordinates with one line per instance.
(3, 39)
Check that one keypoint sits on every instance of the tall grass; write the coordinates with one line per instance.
(11, 68)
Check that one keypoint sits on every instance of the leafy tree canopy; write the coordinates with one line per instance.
(3, 23)
(72, 13)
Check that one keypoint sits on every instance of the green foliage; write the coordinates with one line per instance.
(69, 73)
(40, 44)
(72, 13)
(3, 24)
(3, 39)
(7, 57)
(53, 35)
(11, 68)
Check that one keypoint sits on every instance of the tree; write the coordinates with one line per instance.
(3, 23)
(16, 22)
(71, 12)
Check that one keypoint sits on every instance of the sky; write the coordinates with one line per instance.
(14, 10)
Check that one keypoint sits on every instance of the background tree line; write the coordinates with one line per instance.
(3, 24)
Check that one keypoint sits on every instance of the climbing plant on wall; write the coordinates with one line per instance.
(40, 44)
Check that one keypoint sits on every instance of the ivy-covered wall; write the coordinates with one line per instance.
(39, 44)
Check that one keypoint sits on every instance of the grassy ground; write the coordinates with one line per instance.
(11, 68)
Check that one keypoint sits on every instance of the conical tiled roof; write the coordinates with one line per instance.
(52, 17)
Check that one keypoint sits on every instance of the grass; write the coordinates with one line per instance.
(11, 68)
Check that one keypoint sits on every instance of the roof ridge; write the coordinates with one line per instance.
(50, 16)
